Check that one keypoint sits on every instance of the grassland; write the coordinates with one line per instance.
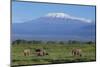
(58, 53)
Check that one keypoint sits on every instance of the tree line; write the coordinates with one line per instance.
(50, 42)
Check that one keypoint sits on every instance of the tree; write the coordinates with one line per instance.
(36, 42)
(73, 42)
(61, 42)
(17, 42)
(51, 42)
(89, 42)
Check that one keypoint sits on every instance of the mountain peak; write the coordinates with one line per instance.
(67, 16)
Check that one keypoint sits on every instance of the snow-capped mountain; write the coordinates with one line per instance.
(55, 26)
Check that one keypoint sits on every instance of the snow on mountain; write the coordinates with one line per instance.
(58, 15)
(67, 16)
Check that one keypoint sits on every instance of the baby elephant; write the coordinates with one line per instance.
(27, 52)
(76, 52)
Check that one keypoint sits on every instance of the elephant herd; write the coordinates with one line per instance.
(43, 52)
(38, 52)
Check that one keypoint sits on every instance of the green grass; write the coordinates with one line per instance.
(58, 53)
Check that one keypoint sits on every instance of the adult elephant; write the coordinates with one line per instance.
(41, 52)
(27, 52)
(77, 52)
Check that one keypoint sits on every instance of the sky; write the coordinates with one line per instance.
(26, 11)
